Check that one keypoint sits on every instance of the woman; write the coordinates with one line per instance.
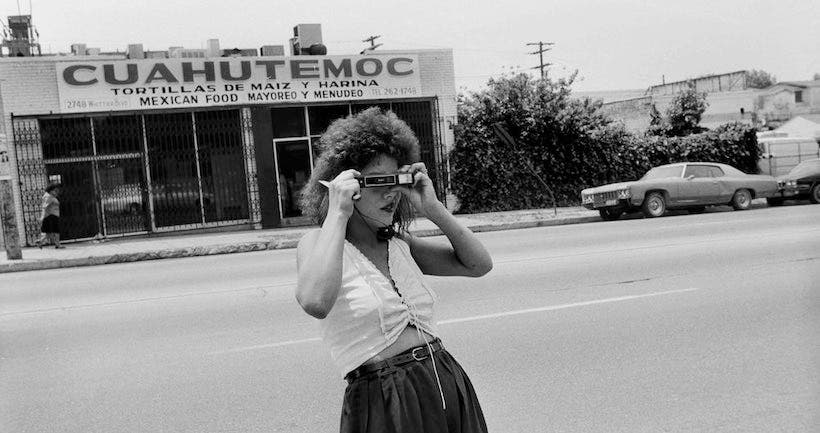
(360, 273)
(50, 216)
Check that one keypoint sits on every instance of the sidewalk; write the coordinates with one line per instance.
(132, 249)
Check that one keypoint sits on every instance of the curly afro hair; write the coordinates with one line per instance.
(353, 142)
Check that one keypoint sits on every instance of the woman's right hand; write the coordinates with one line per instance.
(342, 191)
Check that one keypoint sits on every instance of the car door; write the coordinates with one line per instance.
(725, 186)
(698, 186)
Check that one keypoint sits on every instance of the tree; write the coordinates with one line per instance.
(685, 112)
(568, 142)
(759, 79)
(682, 116)
(817, 76)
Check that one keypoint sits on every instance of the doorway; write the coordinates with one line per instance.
(293, 168)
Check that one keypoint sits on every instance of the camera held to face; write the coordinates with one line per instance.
(371, 181)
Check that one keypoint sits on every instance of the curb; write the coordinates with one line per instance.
(250, 246)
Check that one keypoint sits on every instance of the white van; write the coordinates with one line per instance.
(780, 154)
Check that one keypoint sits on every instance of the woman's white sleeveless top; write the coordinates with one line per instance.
(369, 314)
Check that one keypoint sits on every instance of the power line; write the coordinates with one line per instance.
(540, 52)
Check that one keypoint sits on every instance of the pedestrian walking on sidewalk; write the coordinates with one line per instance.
(50, 216)
(360, 273)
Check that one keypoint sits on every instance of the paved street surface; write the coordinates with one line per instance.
(689, 323)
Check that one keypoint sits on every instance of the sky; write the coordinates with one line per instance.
(614, 45)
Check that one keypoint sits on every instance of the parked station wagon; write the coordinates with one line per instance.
(687, 185)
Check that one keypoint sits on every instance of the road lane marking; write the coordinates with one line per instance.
(473, 318)
(561, 306)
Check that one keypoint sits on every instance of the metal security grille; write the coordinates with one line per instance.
(221, 165)
(137, 173)
(422, 117)
(31, 172)
(172, 159)
(120, 171)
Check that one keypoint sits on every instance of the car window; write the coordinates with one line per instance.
(662, 172)
(716, 171)
(698, 171)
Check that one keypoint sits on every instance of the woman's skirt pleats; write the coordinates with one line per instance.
(406, 399)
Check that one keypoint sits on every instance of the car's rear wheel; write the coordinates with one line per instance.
(610, 214)
(742, 199)
(815, 193)
(697, 209)
(654, 205)
(774, 201)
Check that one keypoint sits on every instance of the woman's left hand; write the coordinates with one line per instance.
(422, 195)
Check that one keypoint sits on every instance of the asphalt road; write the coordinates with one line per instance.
(690, 323)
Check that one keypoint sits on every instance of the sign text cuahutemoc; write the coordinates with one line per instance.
(178, 83)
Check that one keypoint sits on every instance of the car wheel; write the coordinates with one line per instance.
(742, 199)
(697, 209)
(610, 214)
(814, 197)
(774, 201)
(654, 205)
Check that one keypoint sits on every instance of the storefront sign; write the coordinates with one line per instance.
(181, 83)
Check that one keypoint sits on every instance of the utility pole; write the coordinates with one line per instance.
(542, 48)
(373, 45)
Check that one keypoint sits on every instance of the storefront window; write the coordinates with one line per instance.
(66, 138)
(321, 116)
(221, 165)
(293, 161)
(118, 134)
(172, 160)
(289, 122)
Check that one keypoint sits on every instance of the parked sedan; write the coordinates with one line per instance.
(686, 185)
(802, 182)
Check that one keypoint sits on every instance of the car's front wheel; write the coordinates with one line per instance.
(610, 214)
(814, 197)
(654, 205)
(742, 199)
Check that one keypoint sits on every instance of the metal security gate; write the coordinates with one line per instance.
(130, 174)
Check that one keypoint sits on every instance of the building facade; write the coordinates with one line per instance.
(729, 100)
(144, 145)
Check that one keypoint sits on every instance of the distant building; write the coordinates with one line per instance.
(785, 100)
(730, 100)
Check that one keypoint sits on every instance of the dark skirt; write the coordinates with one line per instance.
(51, 224)
(406, 399)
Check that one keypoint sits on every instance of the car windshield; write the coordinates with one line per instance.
(662, 172)
(805, 168)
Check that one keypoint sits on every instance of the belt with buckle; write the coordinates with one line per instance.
(415, 354)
